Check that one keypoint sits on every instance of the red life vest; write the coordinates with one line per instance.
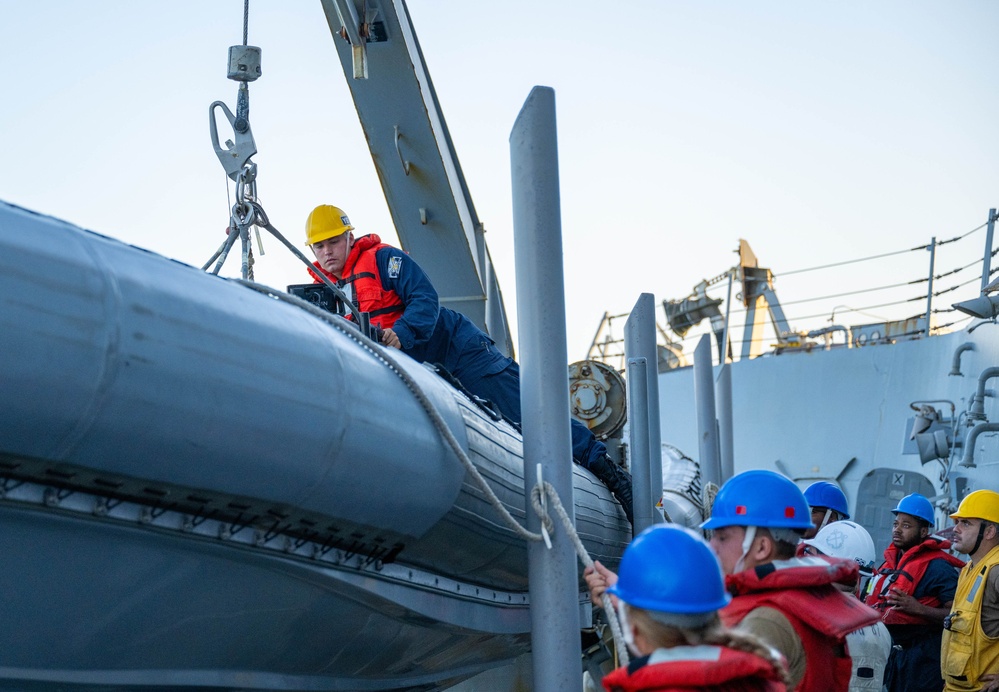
(361, 272)
(706, 667)
(802, 590)
(903, 571)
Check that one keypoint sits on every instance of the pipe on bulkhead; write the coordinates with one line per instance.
(955, 368)
(969, 442)
(826, 331)
(978, 403)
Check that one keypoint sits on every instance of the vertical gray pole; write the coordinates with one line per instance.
(987, 265)
(726, 436)
(640, 342)
(929, 292)
(704, 401)
(537, 229)
(638, 431)
(728, 313)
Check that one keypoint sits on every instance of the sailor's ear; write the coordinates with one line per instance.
(763, 548)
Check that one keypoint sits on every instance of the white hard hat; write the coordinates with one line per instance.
(845, 539)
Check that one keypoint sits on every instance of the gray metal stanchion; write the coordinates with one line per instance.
(707, 424)
(537, 227)
(726, 436)
(641, 463)
(640, 342)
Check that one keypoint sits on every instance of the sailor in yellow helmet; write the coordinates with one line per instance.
(389, 285)
(969, 656)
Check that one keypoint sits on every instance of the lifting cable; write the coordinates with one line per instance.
(235, 157)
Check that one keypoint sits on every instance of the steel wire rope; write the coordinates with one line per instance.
(868, 307)
(683, 340)
(823, 314)
(246, 20)
(851, 293)
(687, 340)
(382, 355)
(881, 288)
(743, 311)
(853, 261)
(973, 279)
(967, 266)
(883, 255)
(894, 336)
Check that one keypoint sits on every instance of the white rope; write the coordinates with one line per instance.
(584, 557)
(708, 501)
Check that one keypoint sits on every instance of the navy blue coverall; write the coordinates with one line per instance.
(430, 333)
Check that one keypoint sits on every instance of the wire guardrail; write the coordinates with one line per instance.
(607, 347)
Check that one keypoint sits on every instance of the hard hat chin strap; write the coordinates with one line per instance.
(825, 519)
(629, 636)
(981, 535)
(747, 543)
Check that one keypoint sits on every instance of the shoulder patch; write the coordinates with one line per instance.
(394, 267)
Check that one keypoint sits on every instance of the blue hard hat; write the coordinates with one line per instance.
(828, 495)
(670, 569)
(760, 498)
(917, 505)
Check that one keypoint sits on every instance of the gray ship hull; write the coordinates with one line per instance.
(846, 415)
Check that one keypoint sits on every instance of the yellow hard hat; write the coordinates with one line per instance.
(325, 222)
(981, 504)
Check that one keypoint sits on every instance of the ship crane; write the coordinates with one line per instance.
(758, 297)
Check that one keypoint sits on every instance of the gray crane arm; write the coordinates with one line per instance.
(415, 158)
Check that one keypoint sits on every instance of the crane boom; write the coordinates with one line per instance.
(415, 159)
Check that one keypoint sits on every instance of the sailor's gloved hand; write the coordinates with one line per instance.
(390, 339)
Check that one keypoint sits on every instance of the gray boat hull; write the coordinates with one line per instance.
(204, 486)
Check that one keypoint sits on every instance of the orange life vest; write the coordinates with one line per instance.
(705, 667)
(802, 591)
(902, 571)
(361, 273)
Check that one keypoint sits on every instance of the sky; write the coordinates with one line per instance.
(820, 132)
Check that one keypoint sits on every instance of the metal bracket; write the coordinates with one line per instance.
(234, 156)
(398, 150)
(355, 31)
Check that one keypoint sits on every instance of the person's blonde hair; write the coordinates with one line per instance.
(663, 635)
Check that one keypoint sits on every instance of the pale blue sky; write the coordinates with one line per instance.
(819, 131)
